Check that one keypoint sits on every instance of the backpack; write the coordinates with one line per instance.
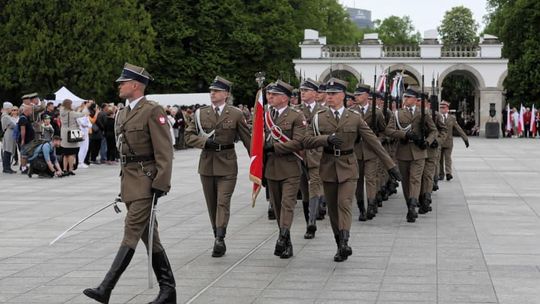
(31, 147)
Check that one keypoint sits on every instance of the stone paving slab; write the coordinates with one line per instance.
(480, 245)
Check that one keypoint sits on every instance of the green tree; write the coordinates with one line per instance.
(79, 44)
(458, 27)
(396, 30)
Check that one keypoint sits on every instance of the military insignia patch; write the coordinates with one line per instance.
(162, 120)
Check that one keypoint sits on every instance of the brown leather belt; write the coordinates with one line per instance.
(338, 152)
(222, 147)
(127, 159)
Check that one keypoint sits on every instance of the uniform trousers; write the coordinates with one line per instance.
(283, 199)
(311, 188)
(367, 169)
(218, 191)
(446, 161)
(411, 171)
(339, 198)
(136, 225)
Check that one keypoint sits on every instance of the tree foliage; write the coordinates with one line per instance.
(458, 26)
(517, 23)
(396, 30)
(79, 44)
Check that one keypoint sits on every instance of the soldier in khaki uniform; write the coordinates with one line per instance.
(321, 100)
(282, 168)
(311, 186)
(432, 160)
(337, 129)
(448, 144)
(146, 152)
(367, 158)
(214, 130)
(411, 151)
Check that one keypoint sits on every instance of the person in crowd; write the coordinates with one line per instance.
(180, 125)
(85, 125)
(8, 143)
(15, 112)
(537, 119)
(95, 134)
(515, 122)
(527, 123)
(70, 148)
(26, 134)
(110, 137)
(46, 129)
(43, 161)
(102, 118)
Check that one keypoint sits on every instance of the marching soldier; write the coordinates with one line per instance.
(321, 100)
(432, 160)
(146, 153)
(214, 130)
(448, 145)
(411, 151)
(271, 212)
(337, 129)
(310, 185)
(367, 157)
(285, 130)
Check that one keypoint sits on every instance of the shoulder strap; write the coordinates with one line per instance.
(315, 124)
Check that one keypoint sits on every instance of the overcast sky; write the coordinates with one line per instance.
(425, 14)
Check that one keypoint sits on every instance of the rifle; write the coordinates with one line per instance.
(374, 105)
(422, 111)
(386, 97)
(433, 100)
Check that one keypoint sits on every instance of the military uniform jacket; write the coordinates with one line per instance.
(441, 134)
(230, 126)
(406, 149)
(452, 127)
(362, 150)
(312, 156)
(282, 163)
(350, 129)
(144, 132)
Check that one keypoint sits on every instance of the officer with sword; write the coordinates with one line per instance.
(146, 150)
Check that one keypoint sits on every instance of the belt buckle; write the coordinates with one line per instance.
(123, 159)
(219, 148)
(337, 152)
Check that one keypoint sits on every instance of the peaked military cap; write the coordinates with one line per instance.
(295, 93)
(133, 72)
(281, 87)
(362, 88)
(220, 84)
(322, 88)
(349, 95)
(379, 95)
(310, 84)
(336, 85)
(29, 96)
(445, 104)
(410, 92)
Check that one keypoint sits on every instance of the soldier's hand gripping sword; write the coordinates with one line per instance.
(151, 225)
(116, 209)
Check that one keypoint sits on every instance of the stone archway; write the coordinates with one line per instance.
(325, 75)
(408, 70)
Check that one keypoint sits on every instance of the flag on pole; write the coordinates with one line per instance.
(533, 121)
(521, 121)
(381, 84)
(257, 143)
(508, 118)
(396, 86)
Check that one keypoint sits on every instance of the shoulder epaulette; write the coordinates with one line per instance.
(353, 111)
(322, 110)
(235, 108)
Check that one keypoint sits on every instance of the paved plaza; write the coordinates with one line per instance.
(480, 245)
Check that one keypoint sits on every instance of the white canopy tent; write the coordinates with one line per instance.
(180, 99)
(63, 93)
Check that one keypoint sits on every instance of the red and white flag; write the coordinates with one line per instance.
(521, 121)
(257, 144)
(533, 121)
(381, 84)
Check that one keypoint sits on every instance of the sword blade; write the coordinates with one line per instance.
(80, 222)
(151, 240)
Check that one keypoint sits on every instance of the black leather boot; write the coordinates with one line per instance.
(371, 209)
(219, 243)
(362, 208)
(344, 243)
(281, 243)
(378, 197)
(427, 198)
(385, 193)
(435, 184)
(288, 251)
(422, 204)
(414, 205)
(165, 278)
(449, 177)
(271, 213)
(322, 208)
(338, 257)
(312, 218)
(102, 293)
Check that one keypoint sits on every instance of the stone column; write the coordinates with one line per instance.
(487, 96)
